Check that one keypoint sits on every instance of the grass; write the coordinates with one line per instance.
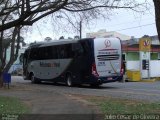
(122, 106)
(10, 105)
(119, 106)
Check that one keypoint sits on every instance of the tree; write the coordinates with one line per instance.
(76, 37)
(22, 41)
(62, 37)
(157, 16)
(70, 38)
(47, 39)
(28, 12)
(8, 38)
(16, 14)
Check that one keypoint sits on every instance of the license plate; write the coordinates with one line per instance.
(110, 78)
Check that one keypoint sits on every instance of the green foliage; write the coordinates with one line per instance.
(10, 105)
(114, 106)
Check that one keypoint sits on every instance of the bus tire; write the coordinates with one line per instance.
(34, 80)
(69, 80)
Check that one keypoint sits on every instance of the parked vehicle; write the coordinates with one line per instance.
(91, 61)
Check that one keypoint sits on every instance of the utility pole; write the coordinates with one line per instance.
(80, 29)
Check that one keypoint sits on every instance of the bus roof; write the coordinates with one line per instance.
(59, 42)
(56, 42)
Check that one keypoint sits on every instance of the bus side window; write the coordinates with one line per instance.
(85, 46)
(77, 49)
(45, 54)
(64, 51)
(48, 52)
(33, 54)
(68, 51)
(61, 52)
(54, 52)
(41, 53)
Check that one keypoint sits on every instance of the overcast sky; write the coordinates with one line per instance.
(122, 21)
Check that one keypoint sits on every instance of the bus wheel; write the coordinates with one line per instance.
(69, 81)
(34, 80)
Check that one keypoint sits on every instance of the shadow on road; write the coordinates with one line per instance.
(85, 86)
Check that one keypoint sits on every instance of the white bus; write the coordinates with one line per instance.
(91, 61)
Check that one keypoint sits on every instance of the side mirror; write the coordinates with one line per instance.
(21, 58)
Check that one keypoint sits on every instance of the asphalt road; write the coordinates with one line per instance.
(143, 91)
(48, 100)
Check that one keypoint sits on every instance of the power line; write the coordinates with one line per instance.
(128, 22)
(135, 27)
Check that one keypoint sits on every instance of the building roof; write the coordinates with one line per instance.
(135, 48)
(104, 33)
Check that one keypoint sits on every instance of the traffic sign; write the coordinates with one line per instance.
(145, 44)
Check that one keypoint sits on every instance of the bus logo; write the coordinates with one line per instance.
(107, 43)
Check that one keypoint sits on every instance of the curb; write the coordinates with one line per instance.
(148, 80)
(143, 80)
